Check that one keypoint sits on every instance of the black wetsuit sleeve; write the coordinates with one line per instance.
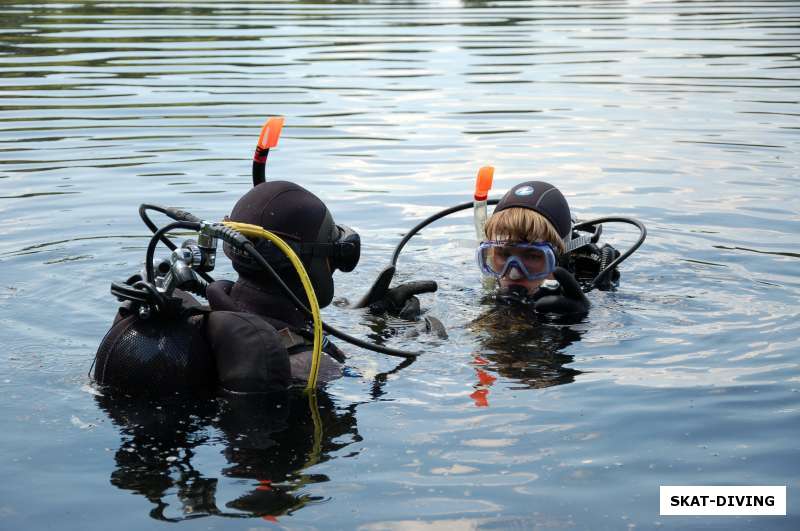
(401, 301)
(249, 354)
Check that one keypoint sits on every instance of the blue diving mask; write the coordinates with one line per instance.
(517, 261)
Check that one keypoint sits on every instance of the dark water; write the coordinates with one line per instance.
(682, 114)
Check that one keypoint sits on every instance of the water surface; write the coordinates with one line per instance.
(681, 114)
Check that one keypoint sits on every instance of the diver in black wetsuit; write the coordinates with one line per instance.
(251, 338)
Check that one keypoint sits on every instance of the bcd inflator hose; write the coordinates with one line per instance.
(614, 263)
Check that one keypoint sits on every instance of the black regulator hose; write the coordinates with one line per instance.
(126, 292)
(160, 235)
(176, 214)
(614, 263)
(424, 223)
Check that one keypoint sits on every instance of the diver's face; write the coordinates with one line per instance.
(533, 260)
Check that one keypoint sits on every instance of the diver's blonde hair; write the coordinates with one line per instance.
(522, 225)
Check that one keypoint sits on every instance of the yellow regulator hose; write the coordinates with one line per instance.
(254, 231)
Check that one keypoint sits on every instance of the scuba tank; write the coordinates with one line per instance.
(157, 344)
(156, 357)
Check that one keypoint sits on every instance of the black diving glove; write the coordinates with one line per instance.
(401, 300)
(567, 298)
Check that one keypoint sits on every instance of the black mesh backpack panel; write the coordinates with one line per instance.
(156, 357)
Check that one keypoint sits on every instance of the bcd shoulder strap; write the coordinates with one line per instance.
(299, 340)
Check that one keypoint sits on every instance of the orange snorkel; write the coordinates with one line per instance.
(482, 186)
(267, 139)
(484, 183)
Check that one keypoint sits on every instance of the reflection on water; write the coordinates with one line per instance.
(681, 114)
(267, 446)
(521, 347)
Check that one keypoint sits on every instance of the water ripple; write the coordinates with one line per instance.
(682, 114)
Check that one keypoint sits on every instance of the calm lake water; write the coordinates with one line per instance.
(681, 114)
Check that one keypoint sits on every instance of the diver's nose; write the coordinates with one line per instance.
(514, 273)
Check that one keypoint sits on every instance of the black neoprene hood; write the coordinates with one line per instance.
(295, 214)
(543, 198)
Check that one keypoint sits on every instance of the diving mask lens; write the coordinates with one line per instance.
(499, 258)
(343, 252)
(346, 249)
